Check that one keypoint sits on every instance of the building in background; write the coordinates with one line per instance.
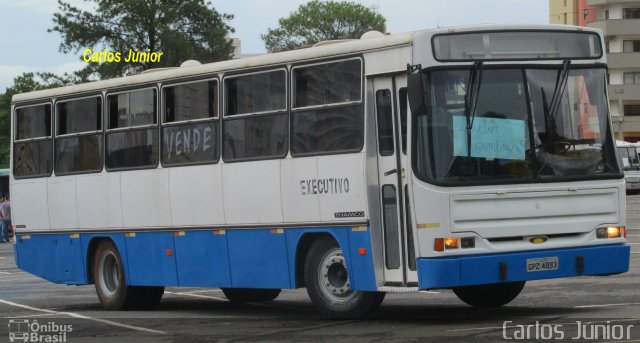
(620, 22)
(571, 12)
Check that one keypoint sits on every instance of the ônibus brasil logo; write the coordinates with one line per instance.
(23, 330)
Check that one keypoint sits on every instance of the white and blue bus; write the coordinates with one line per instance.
(474, 159)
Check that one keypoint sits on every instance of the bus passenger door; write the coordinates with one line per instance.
(390, 104)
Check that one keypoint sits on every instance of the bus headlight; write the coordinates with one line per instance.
(449, 243)
(610, 232)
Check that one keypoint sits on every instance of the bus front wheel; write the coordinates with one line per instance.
(111, 286)
(493, 295)
(328, 283)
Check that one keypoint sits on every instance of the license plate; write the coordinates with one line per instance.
(542, 264)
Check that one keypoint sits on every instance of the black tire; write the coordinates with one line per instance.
(250, 295)
(111, 286)
(327, 282)
(493, 295)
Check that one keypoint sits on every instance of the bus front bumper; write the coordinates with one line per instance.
(447, 272)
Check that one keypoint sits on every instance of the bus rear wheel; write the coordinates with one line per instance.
(111, 286)
(250, 295)
(328, 283)
(493, 295)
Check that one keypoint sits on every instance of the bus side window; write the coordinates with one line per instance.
(328, 115)
(132, 135)
(191, 123)
(33, 146)
(255, 118)
(78, 144)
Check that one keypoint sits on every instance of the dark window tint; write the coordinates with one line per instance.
(197, 100)
(391, 232)
(132, 149)
(632, 110)
(33, 122)
(190, 143)
(631, 78)
(333, 129)
(31, 159)
(81, 115)
(255, 137)
(134, 108)
(631, 46)
(403, 117)
(385, 122)
(79, 154)
(328, 83)
(631, 13)
(256, 93)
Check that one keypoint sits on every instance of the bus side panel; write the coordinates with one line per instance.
(258, 258)
(151, 259)
(53, 257)
(70, 265)
(202, 258)
(362, 273)
(36, 255)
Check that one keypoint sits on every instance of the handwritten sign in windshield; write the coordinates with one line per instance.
(490, 138)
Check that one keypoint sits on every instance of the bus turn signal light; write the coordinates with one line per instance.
(611, 232)
(438, 244)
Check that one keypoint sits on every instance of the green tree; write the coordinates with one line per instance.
(182, 30)
(317, 21)
(26, 82)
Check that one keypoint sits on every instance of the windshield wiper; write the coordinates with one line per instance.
(561, 85)
(471, 99)
(551, 110)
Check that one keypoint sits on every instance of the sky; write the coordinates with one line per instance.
(28, 47)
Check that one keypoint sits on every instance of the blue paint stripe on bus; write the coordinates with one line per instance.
(245, 258)
(485, 269)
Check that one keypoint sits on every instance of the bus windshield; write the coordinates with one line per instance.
(523, 124)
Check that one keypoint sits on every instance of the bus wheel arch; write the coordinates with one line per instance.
(328, 282)
(304, 244)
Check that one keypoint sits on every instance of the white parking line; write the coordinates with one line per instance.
(606, 305)
(5, 273)
(196, 295)
(80, 316)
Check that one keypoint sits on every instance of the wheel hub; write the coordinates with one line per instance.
(334, 277)
(109, 275)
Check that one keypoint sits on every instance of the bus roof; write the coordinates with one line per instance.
(318, 52)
